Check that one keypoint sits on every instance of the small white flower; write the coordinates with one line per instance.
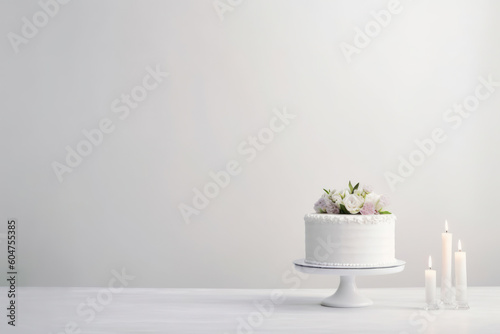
(375, 199)
(344, 193)
(359, 192)
(382, 203)
(367, 188)
(337, 199)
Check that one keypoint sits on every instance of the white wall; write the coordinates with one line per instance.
(119, 207)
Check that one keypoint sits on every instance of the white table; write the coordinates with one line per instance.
(49, 310)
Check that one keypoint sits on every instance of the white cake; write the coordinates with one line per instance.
(350, 239)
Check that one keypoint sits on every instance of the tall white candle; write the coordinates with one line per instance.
(430, 284)
(446, 291)
(461, 274)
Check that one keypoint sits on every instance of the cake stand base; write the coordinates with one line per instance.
(347, 294)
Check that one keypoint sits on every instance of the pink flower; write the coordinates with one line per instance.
(332, 208)
(368, 209)
(325, 205)
(320, 205)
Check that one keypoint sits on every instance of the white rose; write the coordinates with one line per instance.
(353, 203)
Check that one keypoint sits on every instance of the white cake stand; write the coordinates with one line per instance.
(347, 294)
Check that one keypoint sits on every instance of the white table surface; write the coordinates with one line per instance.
(49, 310)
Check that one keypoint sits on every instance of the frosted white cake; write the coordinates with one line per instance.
(350, 240)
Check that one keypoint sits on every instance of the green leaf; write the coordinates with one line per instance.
(343, 210)
(350, 188)
(326, 191)
(385, 213)
(355, 187)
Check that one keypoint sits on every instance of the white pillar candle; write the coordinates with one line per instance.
(430, 284)
(461, 274)
(446, 291)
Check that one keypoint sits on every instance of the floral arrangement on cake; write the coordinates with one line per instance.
(352, 201)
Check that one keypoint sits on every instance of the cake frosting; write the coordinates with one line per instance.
(350, 239)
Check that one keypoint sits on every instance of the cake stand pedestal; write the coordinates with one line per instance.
(347, 294)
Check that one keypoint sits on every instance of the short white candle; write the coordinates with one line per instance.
(461, 274)
(430, 284)
(446, 291)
